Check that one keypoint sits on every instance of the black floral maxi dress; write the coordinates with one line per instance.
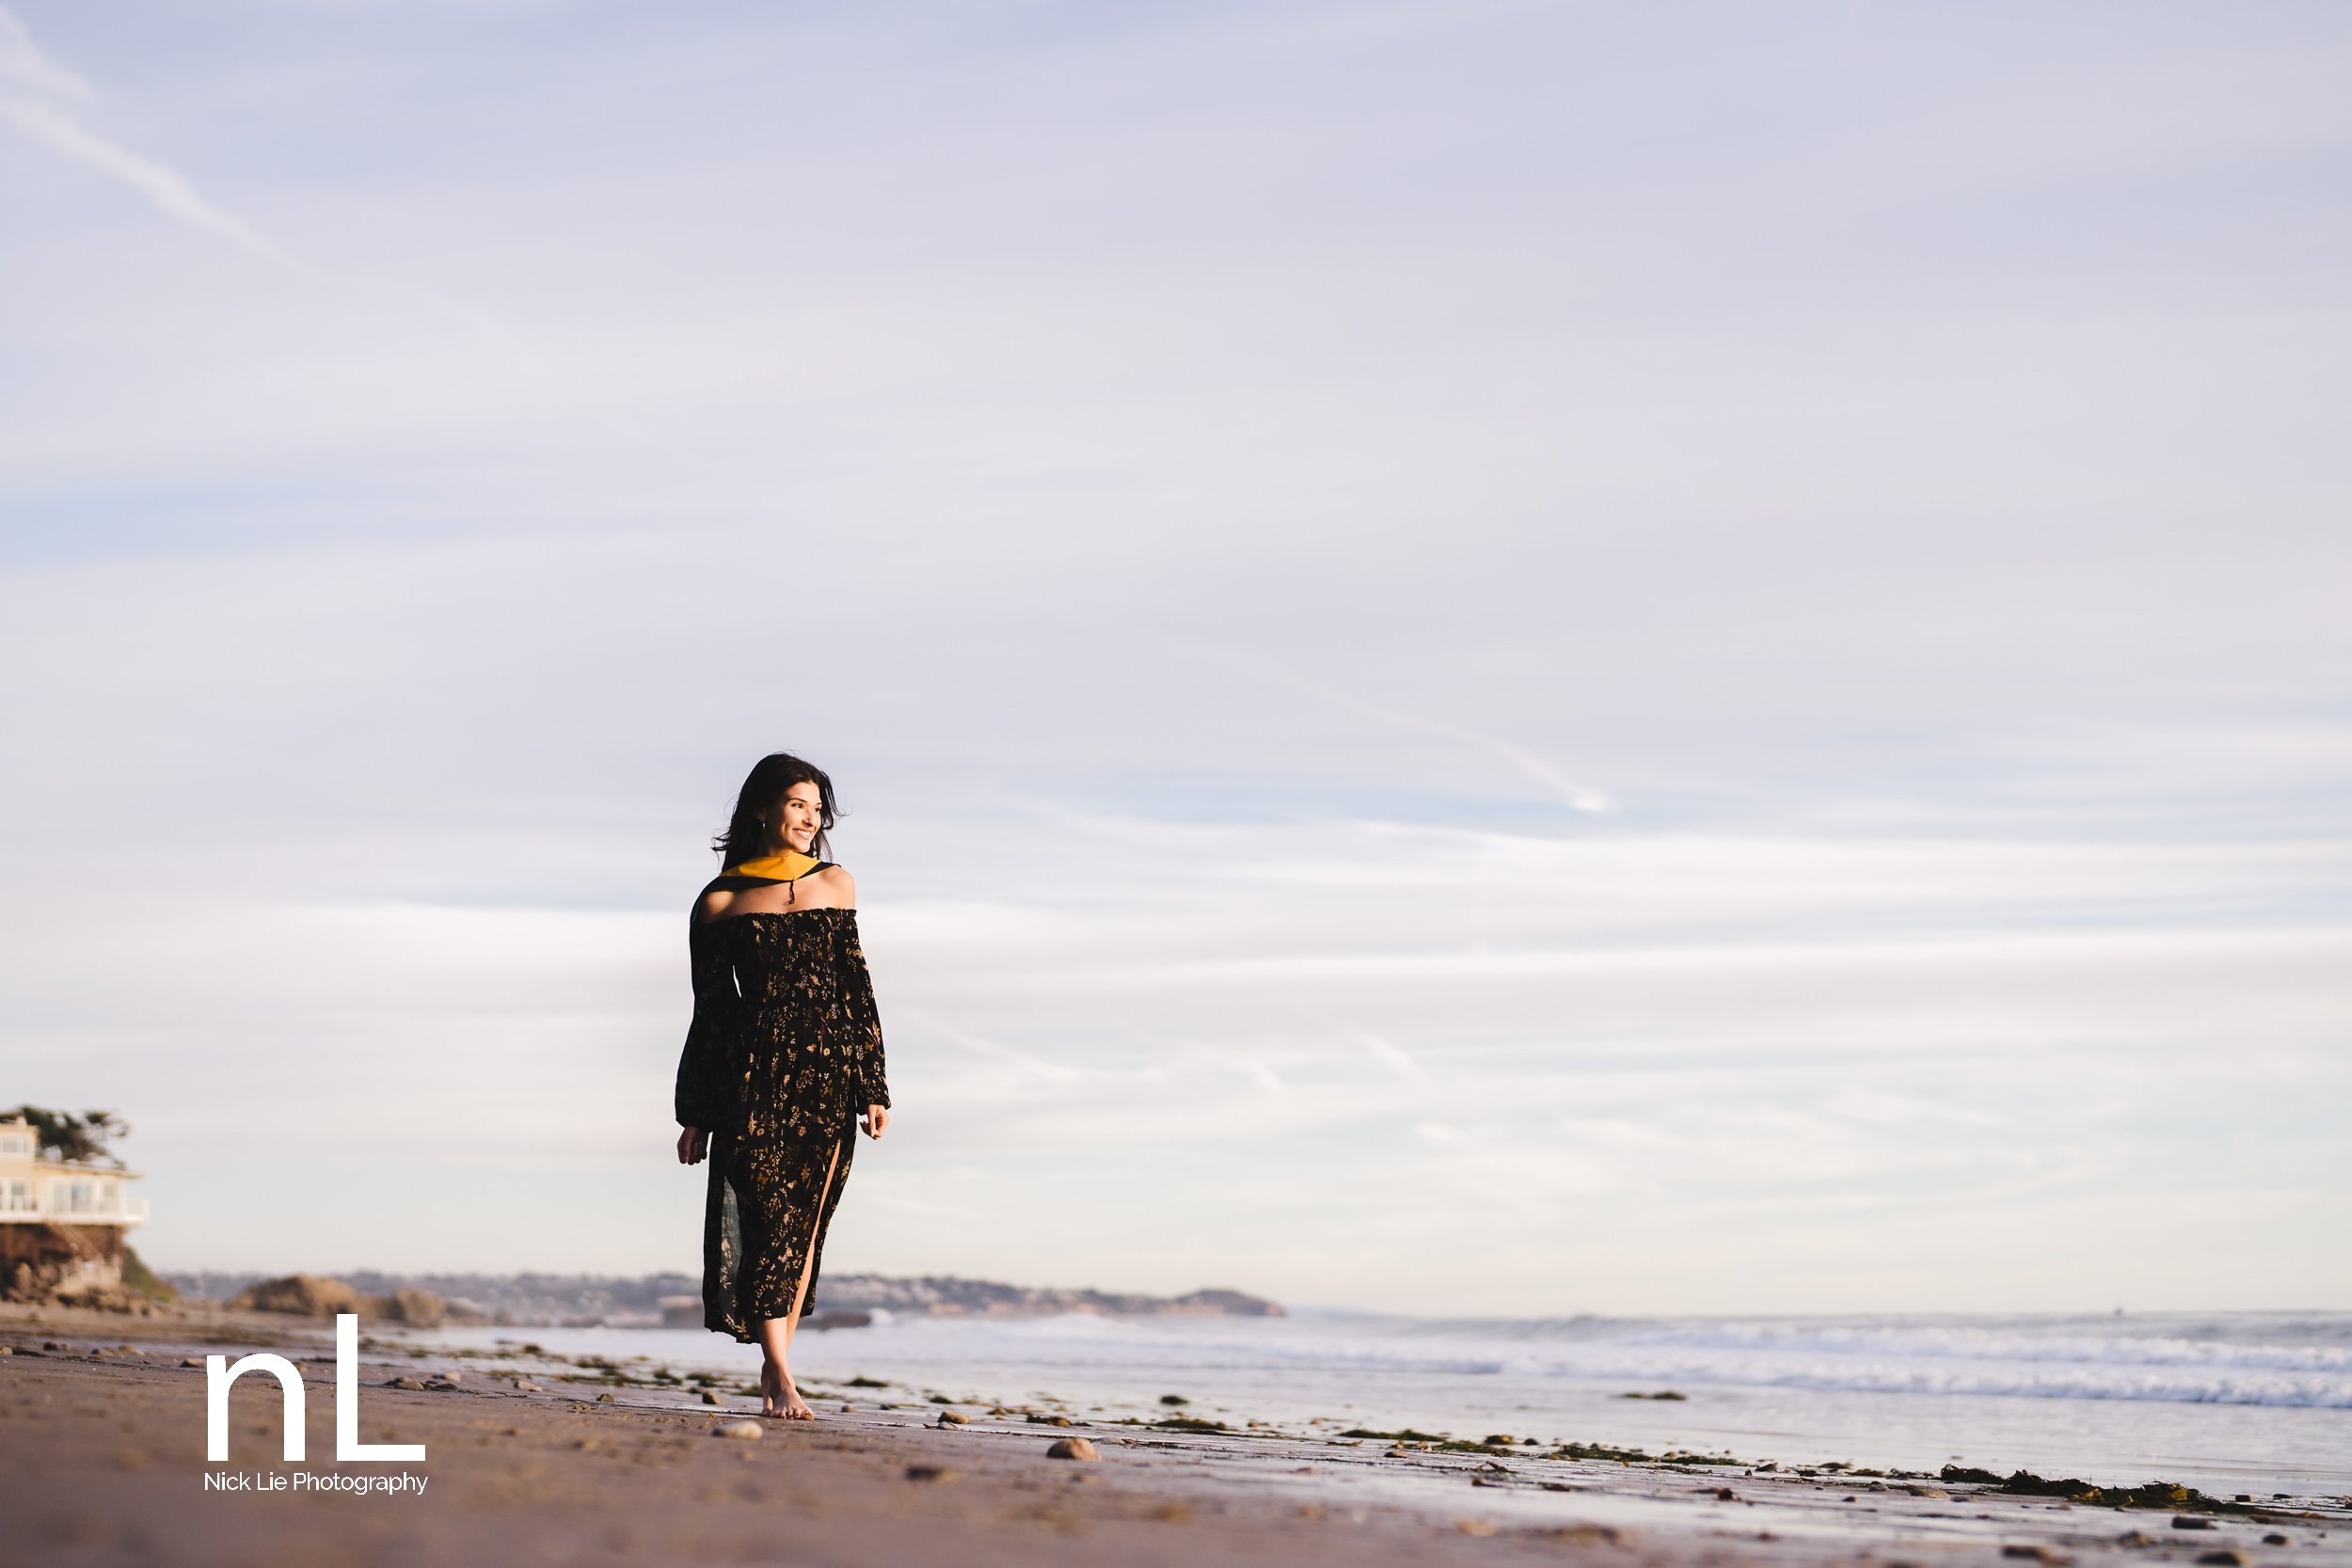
(783, 1055)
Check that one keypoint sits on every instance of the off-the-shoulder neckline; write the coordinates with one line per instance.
(780, 914)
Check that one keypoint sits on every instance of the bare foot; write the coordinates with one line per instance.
(779, 1398)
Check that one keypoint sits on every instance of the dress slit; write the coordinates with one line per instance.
(816, 1234)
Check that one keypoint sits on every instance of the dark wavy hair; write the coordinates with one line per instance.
(770, 776)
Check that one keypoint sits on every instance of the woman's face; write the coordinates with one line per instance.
(800, 813)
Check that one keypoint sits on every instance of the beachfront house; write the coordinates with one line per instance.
(62, 1223)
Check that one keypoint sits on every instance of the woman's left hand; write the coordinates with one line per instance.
(875, 1120)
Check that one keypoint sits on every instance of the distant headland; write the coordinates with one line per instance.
(548, 1300)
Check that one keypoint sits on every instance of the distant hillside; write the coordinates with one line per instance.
(523, 1299)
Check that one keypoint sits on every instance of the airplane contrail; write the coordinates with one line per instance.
(22, 63)
(165, 187)
(35, 95)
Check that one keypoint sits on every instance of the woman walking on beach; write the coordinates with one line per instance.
(783, 1055)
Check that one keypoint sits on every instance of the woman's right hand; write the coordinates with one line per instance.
(693, 1144)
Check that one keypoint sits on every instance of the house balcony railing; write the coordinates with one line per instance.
(132, 1210)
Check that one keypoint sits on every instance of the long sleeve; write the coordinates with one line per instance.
(864, 1039)
(701, 1093)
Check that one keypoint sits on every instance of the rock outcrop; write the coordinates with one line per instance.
(304, 1294)
(312, 1296)
(417, 1308)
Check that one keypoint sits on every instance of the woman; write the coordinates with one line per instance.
(786, 1050)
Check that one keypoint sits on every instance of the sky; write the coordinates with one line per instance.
(1513, 659)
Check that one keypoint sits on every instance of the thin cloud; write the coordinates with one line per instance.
(1390, 1054)
(1025, 1061)
(1577, 797)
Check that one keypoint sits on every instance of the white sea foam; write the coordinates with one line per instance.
(2303, 1362)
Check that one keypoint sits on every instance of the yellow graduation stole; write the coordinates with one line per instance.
(788, 866)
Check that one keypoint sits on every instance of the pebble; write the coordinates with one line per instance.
(2224, 1558)
(403, 1383)
(746, 1430)
(2190, 1521)
(2275, 1539)
(1073, 1448)
(191, 1361)
(2035, 1554)
(526, 1385)
(605, 1398)
(709, 1398)
(1588, 1534)
(1927, 1491)
(941, 1473)
(950, 1419)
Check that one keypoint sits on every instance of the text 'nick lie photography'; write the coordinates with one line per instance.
(220, 1375)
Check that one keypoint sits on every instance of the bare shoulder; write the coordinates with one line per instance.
(835, 886)
(712, 904)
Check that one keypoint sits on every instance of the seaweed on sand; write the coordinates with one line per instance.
(2169, 1496)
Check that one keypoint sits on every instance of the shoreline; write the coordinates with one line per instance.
(1898, 1406)
(101, 1460)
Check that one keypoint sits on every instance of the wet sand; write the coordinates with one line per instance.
(102, 1461)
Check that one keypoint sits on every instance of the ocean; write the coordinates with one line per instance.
(2247, 1402)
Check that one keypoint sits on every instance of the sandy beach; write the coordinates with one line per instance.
(542, 1459)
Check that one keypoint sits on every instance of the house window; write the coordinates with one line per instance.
(16, 1197)
(72, 1197)
(16, 1144)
